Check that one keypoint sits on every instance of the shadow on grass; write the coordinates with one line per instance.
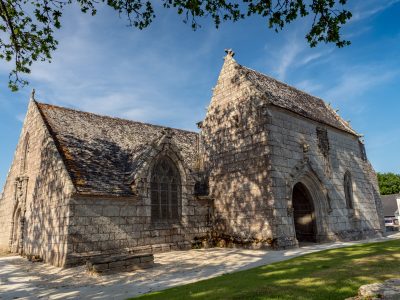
(330, 274)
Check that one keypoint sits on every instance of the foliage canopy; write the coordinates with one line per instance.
(27, 26)
(389, 183)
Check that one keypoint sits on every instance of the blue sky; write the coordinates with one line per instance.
(164, 74)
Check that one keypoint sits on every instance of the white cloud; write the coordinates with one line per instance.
(119, 76)
(288, 56)
(293, 53)
(357, 81)
(309, 86)
(314, 55)
(369, 8)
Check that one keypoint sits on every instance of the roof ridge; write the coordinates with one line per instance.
(108, 117)
(284, 83)
(345, 124)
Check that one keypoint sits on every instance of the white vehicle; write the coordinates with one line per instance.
(391, 223)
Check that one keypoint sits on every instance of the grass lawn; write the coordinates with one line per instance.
(329, 274)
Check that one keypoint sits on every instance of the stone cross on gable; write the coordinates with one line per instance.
(229, 52)
(33, 95)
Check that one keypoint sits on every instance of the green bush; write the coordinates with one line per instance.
(389, 183)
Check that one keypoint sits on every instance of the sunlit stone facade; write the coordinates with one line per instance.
(271, 167)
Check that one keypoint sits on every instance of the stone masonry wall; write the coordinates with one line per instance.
(254, 154)
(101, 225)
(237, 159)
(111, 225)
(297, 157)
(42, 195)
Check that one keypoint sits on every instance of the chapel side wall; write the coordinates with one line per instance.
(118, 225)
(238, 162)
(294, 143)
(47, 194)
(6, 207)
(7, 202)
(238, 157)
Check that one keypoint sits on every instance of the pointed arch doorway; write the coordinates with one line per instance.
(303, 214)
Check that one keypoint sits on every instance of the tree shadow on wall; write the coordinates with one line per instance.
(94, 166)
(238, 160)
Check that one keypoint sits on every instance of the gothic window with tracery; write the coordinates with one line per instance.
(348, 190)
(165, 191)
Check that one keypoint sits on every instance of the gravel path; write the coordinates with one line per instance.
(21, 279)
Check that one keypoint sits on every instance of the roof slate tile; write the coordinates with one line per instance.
(100, 151)
(292, 99)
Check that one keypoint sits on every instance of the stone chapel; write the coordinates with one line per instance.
(271, 166)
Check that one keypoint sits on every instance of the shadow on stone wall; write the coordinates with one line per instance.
(110, 218)
(337, 221)
(252, 185)
(239, 161)
(251, 202)
(47, 208)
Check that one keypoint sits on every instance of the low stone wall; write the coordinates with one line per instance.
(119, 263)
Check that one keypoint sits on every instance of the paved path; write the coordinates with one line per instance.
(21, 279)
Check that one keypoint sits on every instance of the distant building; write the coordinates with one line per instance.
(391, 210)
(272, 166)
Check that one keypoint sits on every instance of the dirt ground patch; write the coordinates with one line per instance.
(4, 253)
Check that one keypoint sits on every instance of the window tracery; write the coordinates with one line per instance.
(165, 191)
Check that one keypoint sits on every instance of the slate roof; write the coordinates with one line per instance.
(287, 97)
(389, 204)
(100, 152)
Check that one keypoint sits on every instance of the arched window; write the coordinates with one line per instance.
(165, 191)
(348, 190)
(24, 157)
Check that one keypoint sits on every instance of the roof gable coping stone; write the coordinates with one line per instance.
(237, 82)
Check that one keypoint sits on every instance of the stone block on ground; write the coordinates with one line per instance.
(119, 263)
(388, 290)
